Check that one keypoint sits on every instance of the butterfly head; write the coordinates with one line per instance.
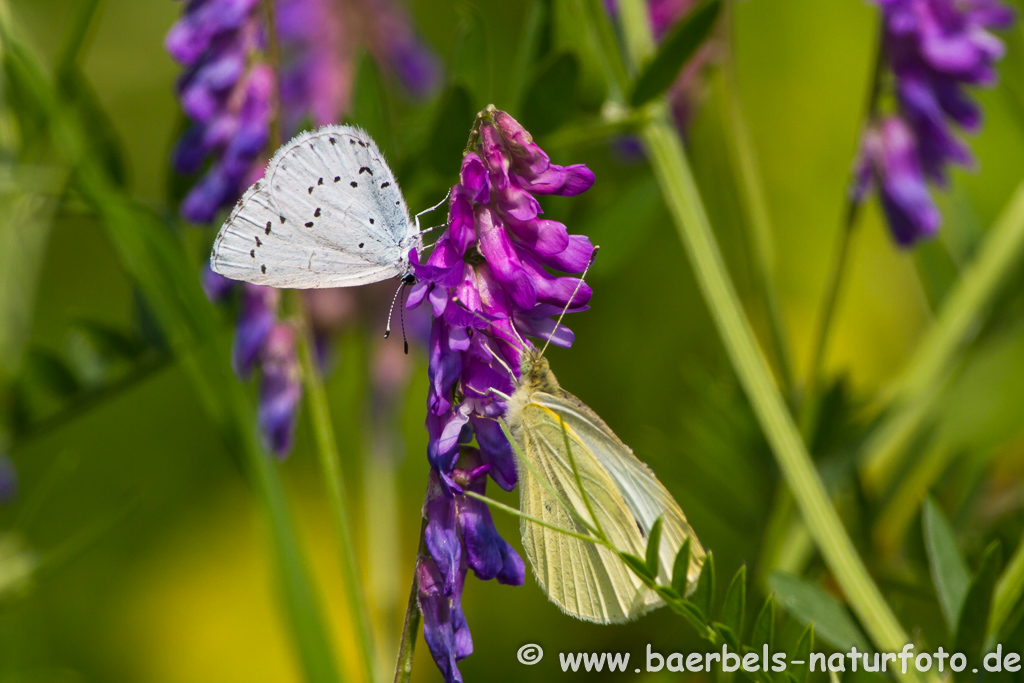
(535, 373)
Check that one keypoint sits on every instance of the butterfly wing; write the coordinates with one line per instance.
(335, 214)
(586, 580)
(259, 245)
(645, 496)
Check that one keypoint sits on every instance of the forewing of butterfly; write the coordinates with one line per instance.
(328, 214)
(336, 183)
(586, 580)
(645, 497)
(259, 245)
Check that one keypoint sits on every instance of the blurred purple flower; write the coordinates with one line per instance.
(8, 479)
(934, 48)
(487, 286)
(890, 155)
(256, 318)
(280, 389)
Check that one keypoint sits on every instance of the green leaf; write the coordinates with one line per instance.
(681, 569)
(638, 566)
(24, 234)
(448, 136)
(734, 606)
(549, 97)
(704, 594)
(950, 575)
(653, 546)
(675, 50)
(802, 653)
(973, 622)
(49, 371)
(728, 635)
(764, 626)
(810, 604)
(103, 140)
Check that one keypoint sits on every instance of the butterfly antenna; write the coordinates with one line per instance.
(387, 330)
(417, 216)
(568, 305)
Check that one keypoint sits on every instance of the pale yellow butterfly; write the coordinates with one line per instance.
(585, 579)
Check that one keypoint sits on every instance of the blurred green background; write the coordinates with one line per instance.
(173, 583)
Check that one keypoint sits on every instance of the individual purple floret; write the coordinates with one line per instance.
(488, 287)
(934, 48)
(256, 318)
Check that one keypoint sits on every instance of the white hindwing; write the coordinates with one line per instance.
(328, 214)
(586, 580)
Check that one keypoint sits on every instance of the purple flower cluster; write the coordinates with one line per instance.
(226, 97)
(934, 48)
(227, 91)
(487, 284)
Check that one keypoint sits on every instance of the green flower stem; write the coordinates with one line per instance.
(1008, 593)
(329, 461)
(668, 160)
(914, 391)
(157, 263)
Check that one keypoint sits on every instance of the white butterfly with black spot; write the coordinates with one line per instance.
(327, 213)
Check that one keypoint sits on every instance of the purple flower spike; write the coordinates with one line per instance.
(280, 389)
(487, 287)
(934, 48)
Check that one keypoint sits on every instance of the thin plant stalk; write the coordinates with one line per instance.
(329, 461)
(671, 168)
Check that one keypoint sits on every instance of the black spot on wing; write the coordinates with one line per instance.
(309, 224)
(267, 230)
(316, 214)
(258, 243)
(252, 252)
(264, 269)
(337, 178)
(354, 184)
(311, 189)
(365, 169)
(384, 184)
(320, 181)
